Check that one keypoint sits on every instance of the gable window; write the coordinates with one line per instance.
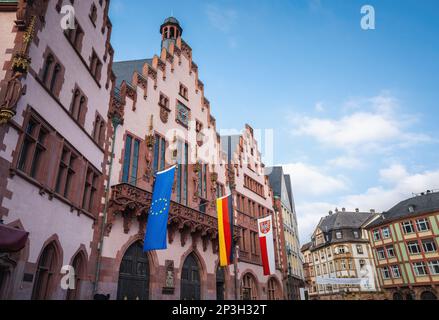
(131, 160)
(420, 269)
(422, 225)
(183, 91)
(159, 153)
(408, 227)
(183, 114)
(33, 148)
(66, 173)
(413, 247)
(429, 246)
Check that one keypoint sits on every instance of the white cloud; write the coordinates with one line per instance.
(309, 180)
(403, 185)
(376, 127)
(346, 162)
(319, 107)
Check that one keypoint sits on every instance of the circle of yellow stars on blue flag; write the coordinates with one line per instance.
(159, 207)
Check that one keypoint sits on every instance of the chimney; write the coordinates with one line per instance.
(372, 210)
(336, 210)
(343, 209)
(330, 213)
(357, 210)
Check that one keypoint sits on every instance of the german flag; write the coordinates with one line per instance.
(225, 229)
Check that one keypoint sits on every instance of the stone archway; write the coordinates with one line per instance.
(249, 287)
(48, 268)
(274, 291)
(428, 295)
(190, 288)
(134, 274)
(79, 264)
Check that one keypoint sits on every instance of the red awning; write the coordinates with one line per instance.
(11, 239)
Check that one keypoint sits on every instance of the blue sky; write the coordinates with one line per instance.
(355, 112)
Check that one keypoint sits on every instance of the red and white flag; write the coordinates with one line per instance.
(267, 245)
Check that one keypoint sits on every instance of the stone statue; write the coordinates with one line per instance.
(170, 279)
(14, 91)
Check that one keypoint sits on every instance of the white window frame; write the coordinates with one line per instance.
(385, 232)
(433, 266)
(408, 224)
(392, 249)
(339, 235)
(418, 265)
(383, 257)
(424, 222)
(433, 244)
(412, 244)
(376, 235)
(385, 272)
(396, 272)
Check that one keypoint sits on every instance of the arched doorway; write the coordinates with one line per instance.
(47, 269)
(220, 284)
(397, 296)
(428, 295)
(78, 265)
(249, 289)
(190, 279)
(273, 289)
(134, 274)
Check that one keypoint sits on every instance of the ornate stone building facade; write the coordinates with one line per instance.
(340, 249)
(285, 208)
(81, 139)
(54, 99)
(166, 120)
(405, 242)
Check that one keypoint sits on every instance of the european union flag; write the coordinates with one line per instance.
(156, 229)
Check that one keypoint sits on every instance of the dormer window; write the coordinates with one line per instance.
(412, 209)
(339, 235)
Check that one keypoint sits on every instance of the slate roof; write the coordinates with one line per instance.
(280, 186)
(425, 203)
(344, 220)
(124, 70)
(306, 246)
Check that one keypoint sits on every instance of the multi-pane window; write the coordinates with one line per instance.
(254, 240)
(429, 246)
(131, 160)
(433, 266)
(376, 235)
(183, 114)
(408, 227)
(164, 101)
(90, 190)
(414, 247)
(182, 172)
(183, 91)
(422, 225)
(99, 130)
(159, 153)
(381, 254)
(360, 249)
(51, 75)
(390, 252)
(220, 190)
(420, 269)
(33, 148)
(385, 232)
(75, 36)
(66, 172)
(95, 66)
(78, 106)
(386, 273)
(396, 272)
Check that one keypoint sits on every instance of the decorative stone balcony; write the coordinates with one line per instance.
(132, 203)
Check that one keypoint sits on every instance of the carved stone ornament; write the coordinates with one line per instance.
(164, 114)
